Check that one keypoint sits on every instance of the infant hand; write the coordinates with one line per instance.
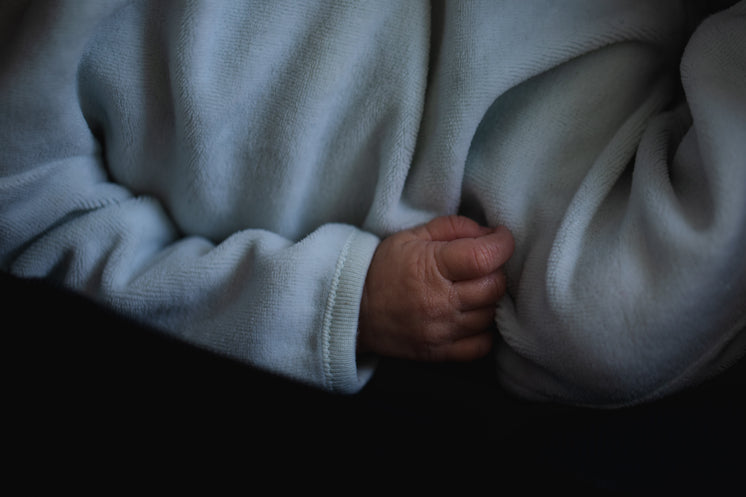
(431, 291)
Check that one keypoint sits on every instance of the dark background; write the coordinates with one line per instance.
(92, 397)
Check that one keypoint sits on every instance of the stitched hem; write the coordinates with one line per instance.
(342, 373)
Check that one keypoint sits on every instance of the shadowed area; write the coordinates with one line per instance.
(86, 388)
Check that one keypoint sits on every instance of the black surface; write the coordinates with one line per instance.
(88, 393)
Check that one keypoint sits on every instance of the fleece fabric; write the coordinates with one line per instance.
(225, 171)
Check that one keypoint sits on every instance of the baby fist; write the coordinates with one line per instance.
(431, 291)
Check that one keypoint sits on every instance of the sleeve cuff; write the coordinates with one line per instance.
(343, 373)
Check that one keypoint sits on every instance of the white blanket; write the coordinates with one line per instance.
(225, 170)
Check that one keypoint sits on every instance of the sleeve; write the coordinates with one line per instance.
(642, 291)
(287, 306)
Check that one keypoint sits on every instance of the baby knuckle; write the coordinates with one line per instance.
(454, 297)
(432, 306)
(483, 258)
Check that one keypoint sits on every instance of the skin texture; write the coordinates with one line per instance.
(431, 291)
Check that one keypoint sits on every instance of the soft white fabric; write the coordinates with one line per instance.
(225, 170)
